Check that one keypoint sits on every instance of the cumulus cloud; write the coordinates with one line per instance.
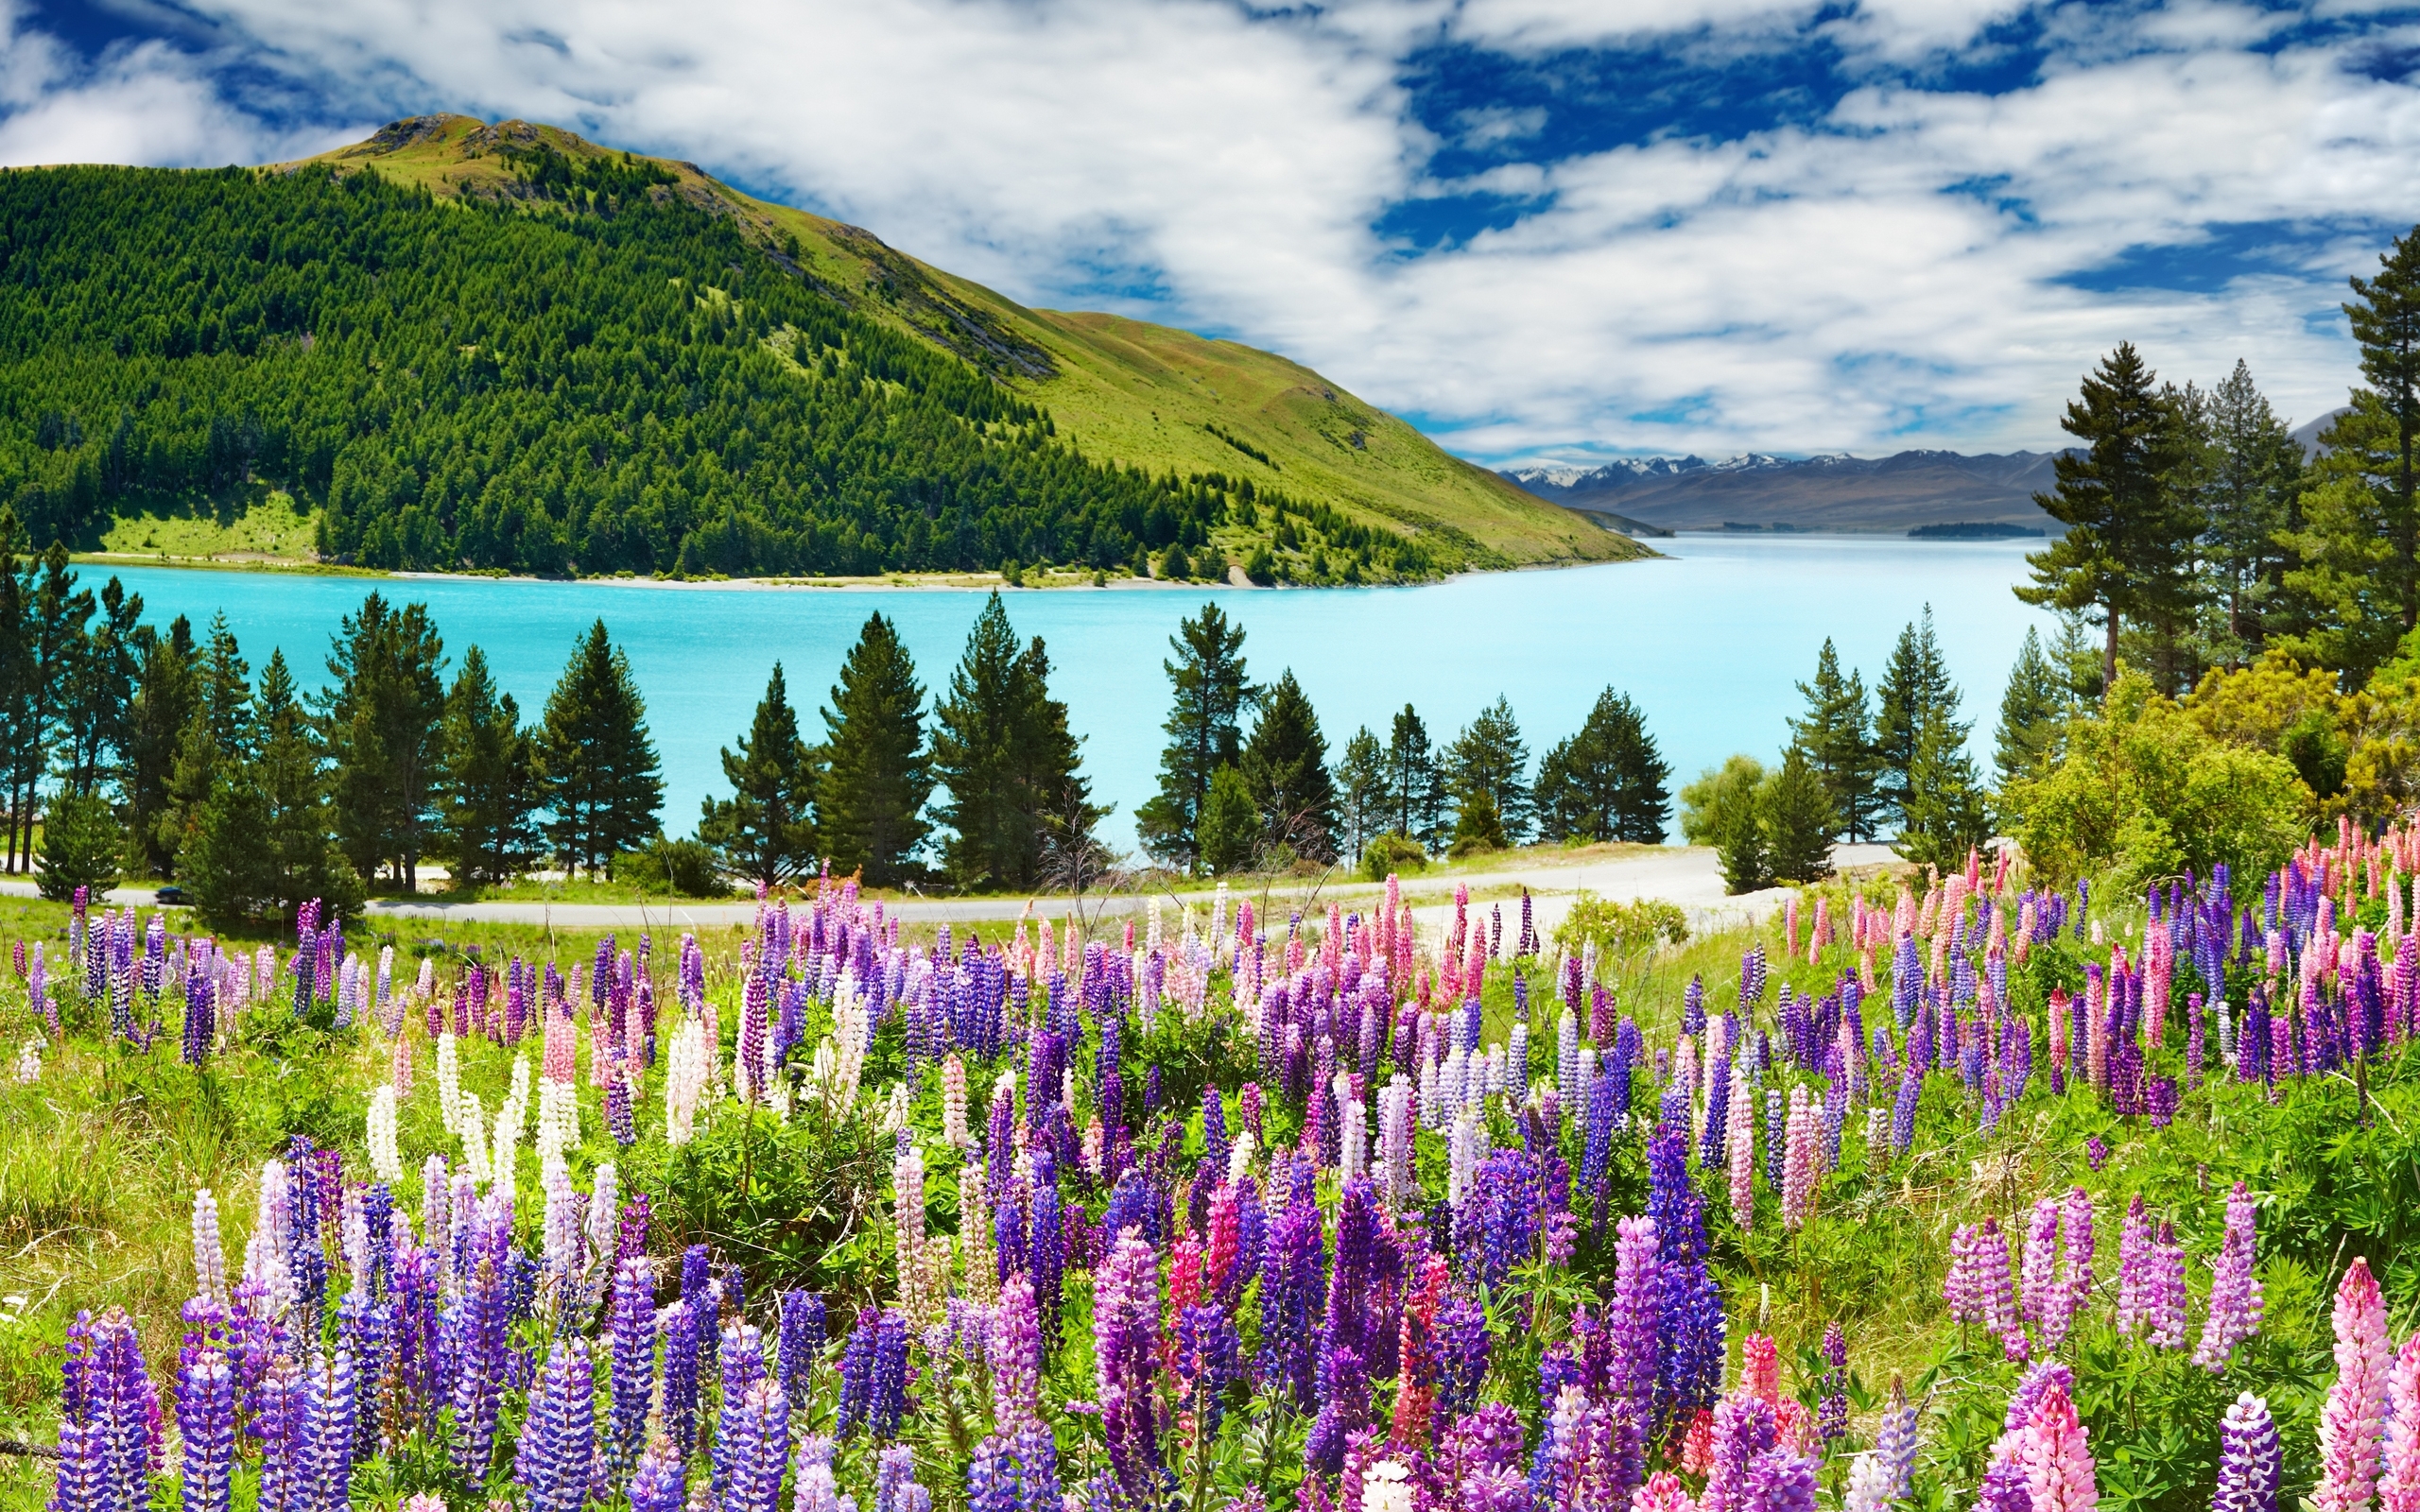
(1910, 261)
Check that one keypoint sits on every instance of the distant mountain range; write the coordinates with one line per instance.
(1827, 493)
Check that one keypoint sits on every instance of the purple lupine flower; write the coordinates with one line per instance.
(2041, 1293)
(752, 1441)
(2235, 1292)
(1207, 1363)
(990, 1478)
(2134, 1266)
(888, 1403)
(1896, 1442)
(476, 1325)
(1293, 1279)
(1832, 1409)
(896, 1488)
(661, 1483)
(2165, 1308)
(1903, 1111)
(801, 1343)
(1743, 1429)
(329, 1429)
(106, 1390)
(678, 1323)
(1463, 1347)
(1126, 1314)
(1014, 1352)
(2249, 1464)
(558, 1453)
(1778, 1480)
(206, 1421)
(1632, 1316)
(742, 1366)
(2004, 1487)
(857, 1372)
(632, 1332)
(1037, 1462)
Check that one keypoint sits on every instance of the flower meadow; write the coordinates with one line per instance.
(1936, 1192)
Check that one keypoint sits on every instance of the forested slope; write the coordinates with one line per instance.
(503, 347)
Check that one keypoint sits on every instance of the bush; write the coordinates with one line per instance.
(1622, 929)
(1710, 805)
(81, 844)
(684, 868)
(2146, 790)
(1478, 826)
(1230, 824)
(1394, 851)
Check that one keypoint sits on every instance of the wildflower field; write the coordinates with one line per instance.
(1938, 1192)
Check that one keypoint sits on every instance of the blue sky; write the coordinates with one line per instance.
(1542, 229)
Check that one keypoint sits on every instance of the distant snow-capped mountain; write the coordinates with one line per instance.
(1826, 491)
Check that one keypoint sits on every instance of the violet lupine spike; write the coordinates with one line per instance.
(661, 1483)
(632, 1335)
(2249, 1462)
(206, 1421)
(1638, 1295)
(557, 1460)
(678, 1323)
(757, 1429)
(2235, 1290)
(1743, 1429)
(1778, 1480)
(1832, 1410)
(800, 1345)
(1014, 1352)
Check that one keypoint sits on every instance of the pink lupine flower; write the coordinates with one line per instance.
(1798, 1172)
(1760, 1368)
(2058, 1457)
(2399, 1490)
(2351, 1424)
(1663, 1492)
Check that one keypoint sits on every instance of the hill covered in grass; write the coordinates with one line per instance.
(503, 347)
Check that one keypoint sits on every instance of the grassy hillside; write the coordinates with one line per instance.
(1125, 391)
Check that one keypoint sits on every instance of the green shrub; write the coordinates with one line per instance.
(1620, 928)
(1391, 851)
(685, 869)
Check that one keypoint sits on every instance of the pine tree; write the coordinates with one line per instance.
(81, 844)
(166, 692)
(1607, 782)
(2127, 549)
(1203, 729)
(1231, 824)
(1946, 815)
(1490, 756)
(216, 738)
(1839, 748)
(1361, 791)
(492, 791)
(765, 831)
(2385, 316)
(602, 781)
(260, 843)
(382, 720)
(1915, 686)
(1004, 754)
(2257, 471)
(1795, 813)
(2030, 712)
(869, 802)
(1415, 788)
(51, 634)
(1285, 765)
(1477, 825)
(102, 688)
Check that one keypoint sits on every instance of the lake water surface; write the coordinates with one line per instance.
(1709, 643)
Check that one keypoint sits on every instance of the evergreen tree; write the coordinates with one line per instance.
(1006, 758)
(260, 844)
(50, 645)
(2036, 702)
(2385, 316)
(869, 802)
(81, 843)
(101, 690)
(1415, 787)
(1839, 747)
(218, 736)
(1915, 686)
(1795, 813)
(2255, 474)
(601, 782)
(1946, 815)
(166, 692)
(1361, 791)
(1478, 826)
(1490, 756)
(1231, 824)
(765, 831)
(1203, 729)
(2129, 545)
(492, 792)
(1285, 765)
(1605, 782)
(382, 723)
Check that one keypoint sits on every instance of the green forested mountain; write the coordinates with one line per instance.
(506, 348)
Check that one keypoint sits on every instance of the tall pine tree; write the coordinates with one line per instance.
(260, 846)
(492, 790)
(1490, 757)
(1839, 747)
(2031, 711)
(765, 831)
(1916, 687)
(166, 689)
(602, 784)
(870, 803)
(382, 720)
(1361, 792)
(1607, 782)
(1203, 729)
(1004, 753)
(1285, 767)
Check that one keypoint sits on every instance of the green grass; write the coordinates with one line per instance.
(253, 525)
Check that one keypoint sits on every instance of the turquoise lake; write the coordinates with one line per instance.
(1709, 641)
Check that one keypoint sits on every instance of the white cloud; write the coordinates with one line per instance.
(1186, 159)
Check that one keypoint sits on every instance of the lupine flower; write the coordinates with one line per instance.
(2134, 1267)
(856, 1371)
(1778, 1480)
(1014, 1352)
(2354, 1419)
(1125, 1348)
(888, 1403)
(634, 1334)
(1760, 1368)
(1743, 1429)
(206, 1421)
(558, 1454)
(2249, 1464)
(801, 1343)
(757, 1429)
(2399, 1488)
(1799, 1172)
(2235, 1290)
(2059, 1472)
(1832, 1414)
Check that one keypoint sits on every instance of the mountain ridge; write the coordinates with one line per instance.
(1124, 391)
(1825, 491)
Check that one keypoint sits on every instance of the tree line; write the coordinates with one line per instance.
(1229, 800)
(622, 381)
